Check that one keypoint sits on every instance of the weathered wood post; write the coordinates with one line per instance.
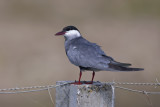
(85, 95)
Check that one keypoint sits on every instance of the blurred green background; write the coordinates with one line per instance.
(30, 54)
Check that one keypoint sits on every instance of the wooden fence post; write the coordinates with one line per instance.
(85, 95)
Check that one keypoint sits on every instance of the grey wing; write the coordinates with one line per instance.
(115, 62)
(88, 54)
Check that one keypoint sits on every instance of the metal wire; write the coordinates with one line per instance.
(41, 88)
(29, 89)
(147, 84)
(138, 91)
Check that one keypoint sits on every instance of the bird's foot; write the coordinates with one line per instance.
(77, 83)
(82, 82)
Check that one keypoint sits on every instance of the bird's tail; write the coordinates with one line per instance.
(123, 68)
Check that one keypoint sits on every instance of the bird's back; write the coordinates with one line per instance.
(86, 54)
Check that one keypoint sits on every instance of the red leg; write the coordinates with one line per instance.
(80, 74)
(93, 74)
(79, 82)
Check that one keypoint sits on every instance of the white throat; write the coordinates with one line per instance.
(71, 34)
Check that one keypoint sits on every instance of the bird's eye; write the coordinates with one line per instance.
(67, 29)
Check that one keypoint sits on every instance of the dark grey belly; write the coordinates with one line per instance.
(88, 69)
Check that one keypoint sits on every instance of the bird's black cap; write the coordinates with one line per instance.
(69, 28)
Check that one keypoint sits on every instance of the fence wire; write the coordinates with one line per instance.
(47, 87)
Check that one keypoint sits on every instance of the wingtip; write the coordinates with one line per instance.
(139, 69)
(123, 68)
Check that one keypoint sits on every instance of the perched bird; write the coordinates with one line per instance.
(89, 56)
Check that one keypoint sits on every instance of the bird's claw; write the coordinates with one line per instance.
(82, 82)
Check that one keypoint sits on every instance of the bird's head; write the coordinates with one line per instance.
(69, 32)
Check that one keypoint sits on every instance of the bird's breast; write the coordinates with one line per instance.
(73, 55)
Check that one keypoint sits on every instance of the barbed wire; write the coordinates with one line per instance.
(47, 87)
(115, 84)
(139, 91)
(127, 83)
(29, 89)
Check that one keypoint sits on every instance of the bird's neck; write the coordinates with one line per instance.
(70, 41)
(71, 38)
